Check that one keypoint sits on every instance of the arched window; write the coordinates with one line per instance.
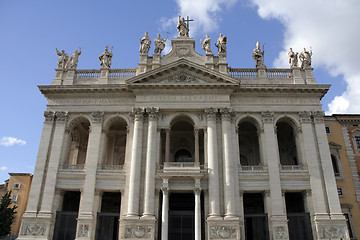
(286, 144)
(116, 143)
(79, 135)
(248, 145)
(183, 155)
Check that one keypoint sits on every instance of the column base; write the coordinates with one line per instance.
(39, 228)
(279, 227)
(131, 229)
(332, 227)
(85, 228)
(224, 228)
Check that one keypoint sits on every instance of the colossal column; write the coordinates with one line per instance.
(229, 176)
(150, 163)
(214, 199)
(135, 169)
(278, 214)
(85, 224)
(165, 211)
(197, 192)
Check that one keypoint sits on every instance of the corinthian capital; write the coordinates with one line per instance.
(305, 117)
(226, 114)
(137, 113)
(211, 114)
(268, 117)
(61, 116)
(153, 113)
(49, 116)
(97, 117)
(318, 116)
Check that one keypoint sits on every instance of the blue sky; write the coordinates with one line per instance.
(31, 30)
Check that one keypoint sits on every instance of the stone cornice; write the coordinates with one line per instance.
(61, 89)
(347, 117)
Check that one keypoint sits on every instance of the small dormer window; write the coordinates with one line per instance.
(16, 186)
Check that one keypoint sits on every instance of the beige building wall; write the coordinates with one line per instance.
(344, 178)
(19, 184)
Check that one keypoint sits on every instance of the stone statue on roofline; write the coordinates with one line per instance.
(293, 58)
(105, 58)
(258, 56)
(73, 59)
(182, 27)
(305, 58)
(145, 44)
(159, 44)
(221, 44)
(206, 44)
(63, 58)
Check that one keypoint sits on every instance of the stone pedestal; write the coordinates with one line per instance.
(156, 60)
(333, 228)
(296, 72)
(309, 76)
(104, 76)
(279, 227)
(223, 66)
(133, 229)
(70, 77)
(223, 229)
(142, 66)
(209, 62)
(59, 76)
(261, 73)
(39, 228)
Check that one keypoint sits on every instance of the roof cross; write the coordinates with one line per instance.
(187, 20)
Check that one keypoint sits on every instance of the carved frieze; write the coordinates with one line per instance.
(49, 116)
(183, 51)
(223, 233)
(34, 229)
(138, 232)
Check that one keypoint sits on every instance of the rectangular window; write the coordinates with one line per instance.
(14, 198)
(357, 141)
(16, 186)
(327, 129)
(340, 191)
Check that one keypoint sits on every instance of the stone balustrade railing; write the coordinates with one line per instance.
(293, 168)
(122, 73)
(279, 73)
(87, 74)
(252, 73)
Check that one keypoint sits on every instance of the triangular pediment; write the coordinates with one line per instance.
(180, 73)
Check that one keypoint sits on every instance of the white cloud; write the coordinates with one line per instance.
(330, 27)
(204, 12)
(11, 141)
(3, 168)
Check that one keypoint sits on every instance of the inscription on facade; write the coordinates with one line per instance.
(274, 101)
(89, 101)
(182, 98)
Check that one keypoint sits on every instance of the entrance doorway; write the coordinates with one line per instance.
(182, 216)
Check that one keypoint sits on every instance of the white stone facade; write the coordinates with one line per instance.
(174, 125)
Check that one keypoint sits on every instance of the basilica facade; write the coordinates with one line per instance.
(184, 147)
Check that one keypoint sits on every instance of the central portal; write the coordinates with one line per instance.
(182, 216)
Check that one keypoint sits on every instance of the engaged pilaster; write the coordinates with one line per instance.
(86, 219)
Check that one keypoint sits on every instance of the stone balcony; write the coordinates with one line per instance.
(181, 167)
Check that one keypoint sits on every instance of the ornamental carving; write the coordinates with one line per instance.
(318, 116)
(49, 116)
(153, 113)
(226, 114)
(61, 116)
(268, 117)
(223, 233)
(181, 77)
(183, 51)
(305, 117)
(34, 229)
(330, 232)
(137, 114)
(138, 232)
(97, 117)
(280, 233)
(83, 230)
(211, 114)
